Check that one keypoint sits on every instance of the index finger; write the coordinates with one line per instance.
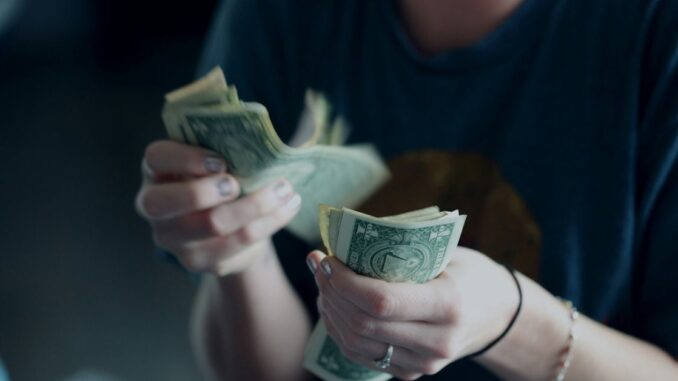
(388, 301)
(165, 158)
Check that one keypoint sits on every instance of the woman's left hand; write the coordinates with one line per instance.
(430, 325)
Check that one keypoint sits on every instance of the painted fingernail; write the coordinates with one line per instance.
(311, 265)
(325, 265)
(214, 164)
(225, 187)
(282, 189)
(294, 202)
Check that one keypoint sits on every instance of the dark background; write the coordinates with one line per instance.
(81, 84)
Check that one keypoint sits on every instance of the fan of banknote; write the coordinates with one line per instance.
(208, 113)
(412, 247)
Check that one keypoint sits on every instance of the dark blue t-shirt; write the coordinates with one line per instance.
(557, 134)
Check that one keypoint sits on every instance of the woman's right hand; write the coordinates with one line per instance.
(192, 205)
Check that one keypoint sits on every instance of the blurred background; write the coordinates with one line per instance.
(81, 289)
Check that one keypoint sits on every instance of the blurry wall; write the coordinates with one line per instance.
(7, 10)
(81, 84)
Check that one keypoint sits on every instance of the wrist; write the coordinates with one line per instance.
(536, 338)
(505, 321)
(248, 265)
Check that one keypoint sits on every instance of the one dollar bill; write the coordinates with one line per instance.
(413, 247)
(209, 113)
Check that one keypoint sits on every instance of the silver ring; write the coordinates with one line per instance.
(385, 362)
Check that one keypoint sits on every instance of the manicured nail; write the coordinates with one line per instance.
(325, 265)
(214, 164)
(311, 265)
(225, 187)
(294, 202)
(282, 189)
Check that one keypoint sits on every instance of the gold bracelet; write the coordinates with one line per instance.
(567, 353)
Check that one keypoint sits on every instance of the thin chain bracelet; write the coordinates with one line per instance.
(567, 353)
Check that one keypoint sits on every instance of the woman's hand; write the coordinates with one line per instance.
(430, 325)
(192, 205)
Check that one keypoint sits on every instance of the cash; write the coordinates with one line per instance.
(412, 247)
(209, 113)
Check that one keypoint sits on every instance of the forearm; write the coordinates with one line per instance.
(251, 325)
(531, 350)
(606, 354)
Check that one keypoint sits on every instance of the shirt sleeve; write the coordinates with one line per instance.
(656, 295)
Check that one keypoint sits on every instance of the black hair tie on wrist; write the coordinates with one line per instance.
(513, 320)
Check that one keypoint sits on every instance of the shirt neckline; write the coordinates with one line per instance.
(513, 35)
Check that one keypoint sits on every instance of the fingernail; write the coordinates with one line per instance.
(214, 164)
(325, 265)
(282, 189)
(225, 187)
(311, 265)
(294, 202)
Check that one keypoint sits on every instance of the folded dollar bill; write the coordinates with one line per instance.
(209, 113)
(411, 247)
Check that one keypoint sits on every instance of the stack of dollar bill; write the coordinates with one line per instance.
(208, 113)
(412, 247)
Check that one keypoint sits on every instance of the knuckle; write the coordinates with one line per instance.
(447, 303)
(452, 303)
(382, 305)
(195, 195)
(449, 309)
(363, 325)
(210, 223)
(442, 347)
